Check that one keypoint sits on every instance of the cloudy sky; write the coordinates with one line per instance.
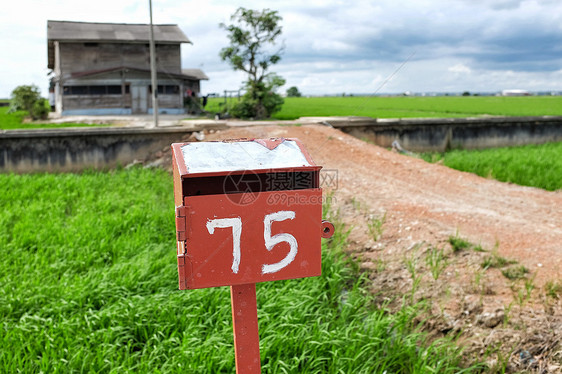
(384, 46)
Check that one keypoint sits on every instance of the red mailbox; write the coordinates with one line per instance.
(247, 211)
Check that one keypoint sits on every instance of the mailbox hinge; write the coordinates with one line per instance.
(181, 223)
(182, 272)
(182, 235)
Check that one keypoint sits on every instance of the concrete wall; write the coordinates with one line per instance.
(67, 150)
(61, 150)
(438, 135)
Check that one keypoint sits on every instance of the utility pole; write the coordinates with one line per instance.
(153, 70)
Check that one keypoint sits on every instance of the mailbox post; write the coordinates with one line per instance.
(247, 211)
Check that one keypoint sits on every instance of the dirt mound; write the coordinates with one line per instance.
(404, 213)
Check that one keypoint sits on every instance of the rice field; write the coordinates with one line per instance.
(530, 165)
(413, 107)
(88, 283)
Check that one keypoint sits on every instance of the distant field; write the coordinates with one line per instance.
(11, 121)
(413, 107)
(531, 165)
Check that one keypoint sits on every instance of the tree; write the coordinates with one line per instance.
(28, 98)
(40, 109)
(293, 92)
(260, 103)
(252, 35)
(23, 98)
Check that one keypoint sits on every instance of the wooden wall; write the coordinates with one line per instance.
(96, 101)
(168, 101)
(115, 101)
(83, 57)
(193, 86)
(79, 57)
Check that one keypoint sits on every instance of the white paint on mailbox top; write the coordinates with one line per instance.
(208, 157)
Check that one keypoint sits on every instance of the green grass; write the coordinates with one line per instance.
(530, 165)
(437, 262)
(374, 226)
(88, 283)
(515, 272)
(496, 261)
(554, 289)
(458, 244)
(12, 121)
(409, 107)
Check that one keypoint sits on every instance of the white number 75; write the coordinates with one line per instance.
(270, 241)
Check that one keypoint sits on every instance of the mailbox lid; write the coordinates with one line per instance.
(209, 257)
(199, 159)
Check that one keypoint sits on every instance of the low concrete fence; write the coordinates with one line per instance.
(64, 150)
(439, 135)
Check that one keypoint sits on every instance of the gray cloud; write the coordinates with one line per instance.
(335, 46)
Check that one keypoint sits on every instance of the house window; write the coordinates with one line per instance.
(97, 90)
(92, 90)
(114, 90)
(166, 89)
(90, 44)
(76, 90)
(171, 90)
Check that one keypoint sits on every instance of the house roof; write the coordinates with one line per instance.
(90, 31)
(67, 31)
(197, 74)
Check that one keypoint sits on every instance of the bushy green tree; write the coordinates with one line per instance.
(252, 36)
(260, 102)
(40, 109)
(24, 97)
(293, 92)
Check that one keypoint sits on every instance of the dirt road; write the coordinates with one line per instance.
(423, 205)
(435, 201)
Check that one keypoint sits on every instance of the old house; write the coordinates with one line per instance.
(104, 68)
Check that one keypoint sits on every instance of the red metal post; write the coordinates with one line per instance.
(245, 325)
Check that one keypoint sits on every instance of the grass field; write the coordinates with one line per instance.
(88, 283)
(11, 121)
(531, 165)
(411, 107)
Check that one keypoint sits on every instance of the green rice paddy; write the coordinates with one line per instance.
(530, 165)
(88, 283)
(413, 107)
